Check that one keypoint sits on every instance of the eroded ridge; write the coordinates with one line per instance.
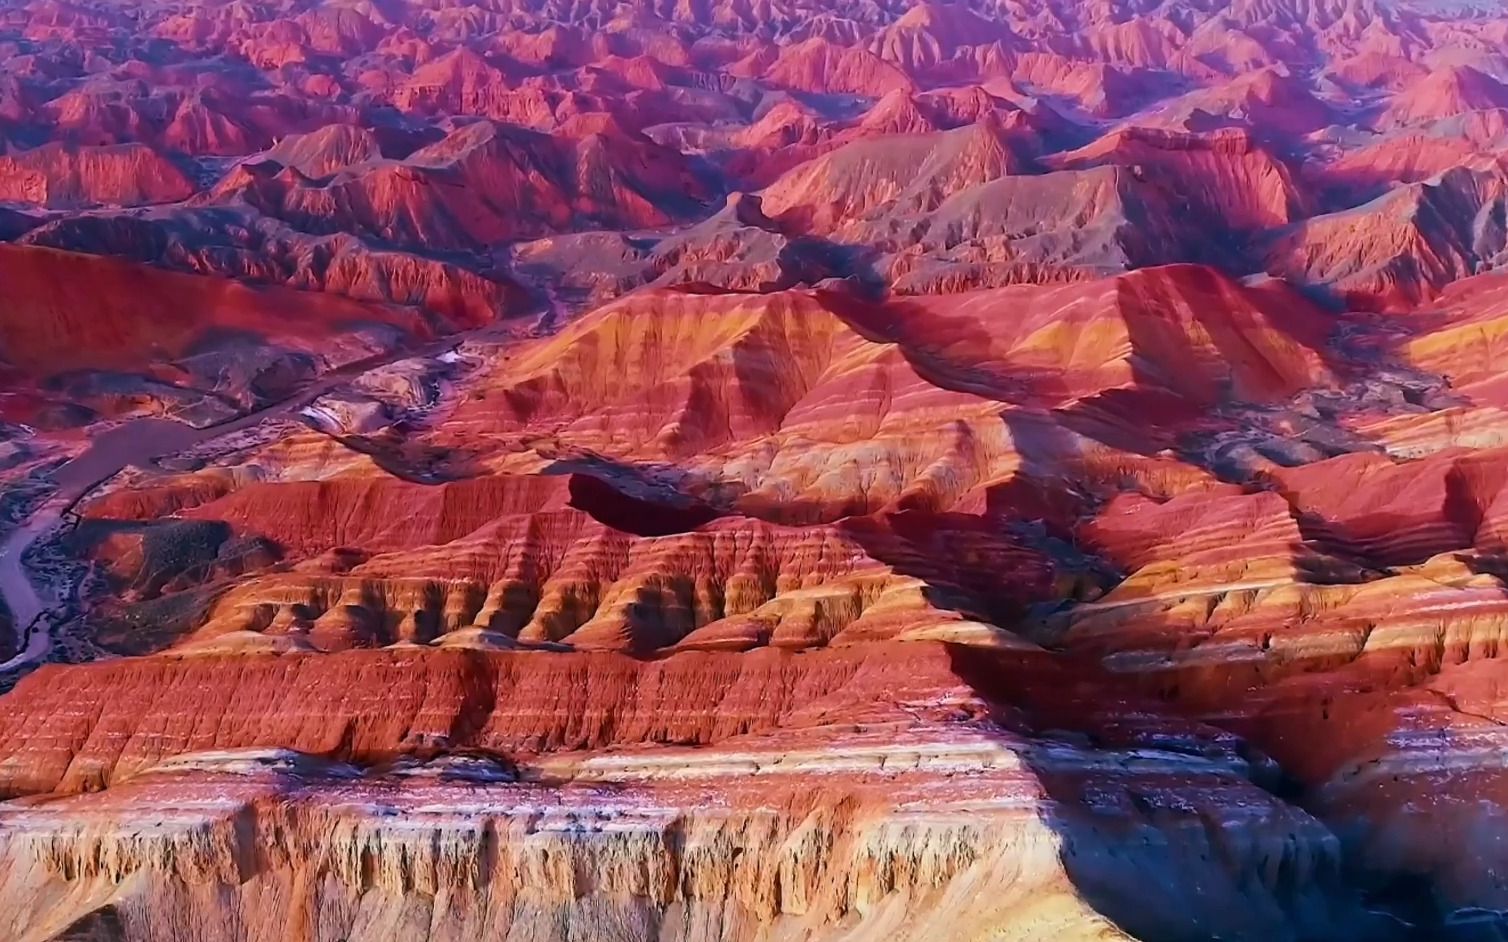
(792, 471)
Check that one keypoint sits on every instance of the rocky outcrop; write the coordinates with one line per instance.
(493, 701)
(658, 841)
(786, 831)
(818, 65)
(910, 175)
(320, 154)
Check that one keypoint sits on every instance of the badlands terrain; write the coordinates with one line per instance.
(753, 470)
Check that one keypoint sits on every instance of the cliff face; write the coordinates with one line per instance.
(637, 865)
(793, 862)
(498, 701)
(865, 794)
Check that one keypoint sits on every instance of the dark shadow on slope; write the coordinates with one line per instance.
(612, 507)
(1391, 899)
(631, 498)
(9, 637)
(102, 925)
(968, 564)
(1159, 825)
(1178, 397)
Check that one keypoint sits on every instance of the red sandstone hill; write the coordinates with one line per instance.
(1416, 155)
(901, 174)
(248, 246)
(1405, 246)
(1277, 102)
(76, 311)
(1443, 94)
(481, 184)
(1225, 175)
(820, 66)
(459, 81)
(58, 177)
(1095, 88)
(321, 153)
(1004, 469)
(1180, 327)
(929, 35)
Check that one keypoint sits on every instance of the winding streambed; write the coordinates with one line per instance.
(138, 442)
(135, 442)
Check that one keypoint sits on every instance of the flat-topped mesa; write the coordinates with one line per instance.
(824, 790)
(1233, 141)
(1226, 174)
(800, 862)
(59, 177)
(378, 514)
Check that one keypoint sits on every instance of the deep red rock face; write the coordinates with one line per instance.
(812, 470)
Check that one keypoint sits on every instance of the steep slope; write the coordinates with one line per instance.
(321, 153)
(906, 175)
(1063, 226)
(800, 841)
(1402, 247)
(244, 244)
(1445, 93)
(1225, 176)
(818, 65)
(1182, 328)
